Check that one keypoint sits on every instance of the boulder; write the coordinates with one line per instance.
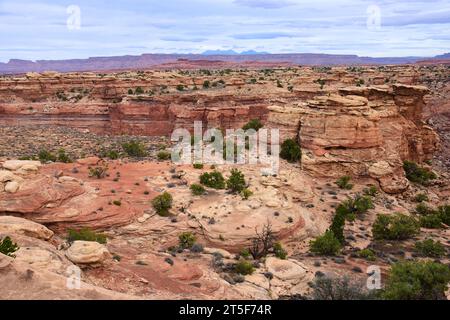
(12, 186)
(6, 176)
(87, 252)
(22, 281)
(394, 184)
(42, 258)
(11, 225)
(380, 169)
(286, 270)
(15, 165)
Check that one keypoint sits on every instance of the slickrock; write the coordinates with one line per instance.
(286, 269)
(363, 132)
(25, 165)
(64, 201)
(362, 122)
(87, 252)
(9, 224)
(343, 128)
(21, 281)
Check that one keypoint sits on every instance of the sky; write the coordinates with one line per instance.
(48, 30)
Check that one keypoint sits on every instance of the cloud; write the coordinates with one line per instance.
(183, 39)
(113, 27)
(265, 4)
(262, 35)
(431, 17)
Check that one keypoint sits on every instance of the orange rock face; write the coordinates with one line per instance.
(343, 129)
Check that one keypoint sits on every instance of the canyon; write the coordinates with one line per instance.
(344, 127)
(356, 121)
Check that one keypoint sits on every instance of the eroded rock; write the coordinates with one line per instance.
(87, 252)
(11, 225)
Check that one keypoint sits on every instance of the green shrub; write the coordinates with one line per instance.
(254, 124)
(130, 91)
(245, 253)
(213, 180)
(117, 203)
(395, 227)
(244, 267)
(186, 240)
(198, 166)
(348, 210)
(338, 223)
(98, 172)
(372, 191)
(334, 288)
(417, 174)
(111, 154)
(279, 85)
(421, 197)
(163, 155)
(290, 151)
(327, 244)
(86, 235)
(430, 248)
(46, 156)
(197, 189)
(367, 254)
(139, 90)
(8, 247)
(417, 281)
(246, 193)
(322, 82)
(358, 205)
(423, 209)
(163, 203)
(431, 221)
(63, 157)
(134, 148)
(180, 87)
(343, 183)
(444, 214)
(206, 84)
(280, 253)
(236, 181)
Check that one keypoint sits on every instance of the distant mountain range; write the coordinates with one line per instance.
(442, 56)
(148, 61)
(231, 52)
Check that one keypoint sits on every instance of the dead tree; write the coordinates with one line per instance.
(263, 242)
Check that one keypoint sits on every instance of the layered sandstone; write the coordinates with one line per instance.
(348, 120)
(366, 131)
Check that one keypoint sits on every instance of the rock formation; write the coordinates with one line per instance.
(362, 122)
(358, 130)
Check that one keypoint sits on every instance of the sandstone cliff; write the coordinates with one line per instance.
(361, 130)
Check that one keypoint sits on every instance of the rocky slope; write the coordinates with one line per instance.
(358, 121)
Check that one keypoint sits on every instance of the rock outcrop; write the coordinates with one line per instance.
(9, 225)
(366, 132)
(87, 252)
(343, 128)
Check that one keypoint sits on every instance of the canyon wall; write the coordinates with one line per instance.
(343, 129)
(366, 131)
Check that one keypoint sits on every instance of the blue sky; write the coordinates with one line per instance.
(38, 29)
